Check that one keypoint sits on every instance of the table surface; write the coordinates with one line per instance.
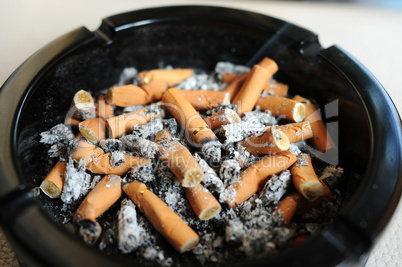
(371, 33)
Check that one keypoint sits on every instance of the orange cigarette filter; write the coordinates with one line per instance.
(129, 95)
(276, 88)
(93, 129)
(101, 165)
(196, 128)
(171, 77)
(305, 205)
(228, 77)
(204, 204)
(83, 103)
(166, 221)
(182, 163)
(103, 109)
(106, 192)
(269, 142)
(252, 88)
(234, 86)
(206, 99)
(287, 207)
(88, 151)
(254, 177)
(304, 178)
(297, 131)
(322, 141)
(223, 117)
(53, 183)
(122, 124)
(97, 161)
(283, 107)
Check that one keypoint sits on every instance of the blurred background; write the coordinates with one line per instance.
(370, 30)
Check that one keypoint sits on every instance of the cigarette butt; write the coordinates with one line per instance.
(163, 136)
(182, 163)
(196, 128)
(102, 165)
(321, 140)
(93, 129)
(129, 95)
(254, 177)
(106, 192)
(305, 204)
(223, 117)
(276, 88)
(122, 124)
(166, 221)
(304, 178)
(269, 142)
(228, 77)
(97, 161)
(52, 185)
(84, 105)
(287, 207)
(283, 107)
(88, 151)
(252, 88)
(103, 109)
(171, 77)
(297, 131)
(206, 99)
(269, 64)
(204, 204)
(233, 87)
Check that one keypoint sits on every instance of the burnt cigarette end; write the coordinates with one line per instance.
(89, 230)
(109, 95)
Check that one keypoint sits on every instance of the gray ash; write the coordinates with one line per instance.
(229, 171)
(211, 180)
(274, 189)
(265, 117)
(57, 134)
(143, 173)
(111, 145)
(212, 152)
(220, 108)
(171, 125)
(228, 67)
(148, 130)
(117, 158)
(201, 82)
(59, 150)
(145, 148)
(76, 181)
(238, 131)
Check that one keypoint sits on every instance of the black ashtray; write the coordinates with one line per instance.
(39, 92)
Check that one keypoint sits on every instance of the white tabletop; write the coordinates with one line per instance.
(372, 34)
